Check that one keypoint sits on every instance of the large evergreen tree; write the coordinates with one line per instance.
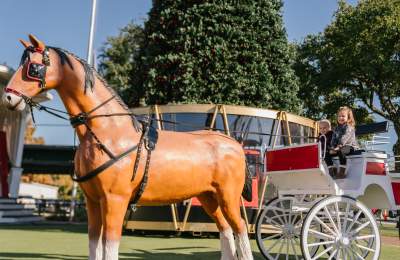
(231, 52)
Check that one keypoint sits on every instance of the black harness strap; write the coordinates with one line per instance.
(149, 137)
(143, 182)
(102, 167)
(82, 118)
(37, 72)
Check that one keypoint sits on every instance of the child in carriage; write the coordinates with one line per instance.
(325, 136)
(343, 142)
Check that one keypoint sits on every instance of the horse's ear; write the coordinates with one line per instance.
(36, 43)
(25, 43)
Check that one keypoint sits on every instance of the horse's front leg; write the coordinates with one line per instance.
(113, 209)
(94, 230)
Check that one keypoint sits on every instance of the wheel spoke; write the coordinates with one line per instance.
(280, 250)
(287, 249)
(278, 217)
(331, 220)
(297, 219)
(321, 234)
(347, 253)
(285, 214)
(323, 252)
(273, 222)
(339, 253)
(338, 217)
(353, 256)
(354, 220)
(325, 226)
(290, 211)
(357, 254)
(365, 248)
(360, 250)
(357, 230)
(364, 237)
(271, 237)
(343, 253)
(293, 248)
(321, 243)
(334, 253)
(345, 216)
(274, 244)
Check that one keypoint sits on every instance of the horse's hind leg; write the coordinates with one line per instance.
(229, 201)
(210, 205)
(94, 230)
(113, 209)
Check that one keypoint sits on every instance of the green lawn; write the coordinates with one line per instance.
(388, 230)
(70, 242)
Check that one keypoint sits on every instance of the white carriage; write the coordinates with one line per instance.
(316, 216)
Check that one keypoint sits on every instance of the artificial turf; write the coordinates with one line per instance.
(69, 241)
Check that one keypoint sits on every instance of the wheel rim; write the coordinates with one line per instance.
(348, 230)
(286, 221)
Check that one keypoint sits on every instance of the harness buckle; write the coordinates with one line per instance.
(133, 207)
(79, 119)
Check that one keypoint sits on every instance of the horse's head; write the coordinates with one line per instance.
(39, 71)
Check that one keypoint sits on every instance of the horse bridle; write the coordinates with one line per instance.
(35, 71)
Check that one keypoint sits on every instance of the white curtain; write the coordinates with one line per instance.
(10, 122)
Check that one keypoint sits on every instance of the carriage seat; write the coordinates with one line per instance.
(298, 170)
(366, 129)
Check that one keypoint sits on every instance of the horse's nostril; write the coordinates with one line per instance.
(9, 98)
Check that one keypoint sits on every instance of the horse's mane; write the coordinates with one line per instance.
(90, 74)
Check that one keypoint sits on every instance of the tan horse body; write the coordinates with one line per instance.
(205, 164)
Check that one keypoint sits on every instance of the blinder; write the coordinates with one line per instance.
(37, 71)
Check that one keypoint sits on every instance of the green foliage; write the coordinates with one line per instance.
(231, 52)
(355, 60)
(117, 60)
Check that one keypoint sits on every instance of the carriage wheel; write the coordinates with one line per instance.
(278, 229)
(348, 230)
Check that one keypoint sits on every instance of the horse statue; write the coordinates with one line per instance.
(205, 164)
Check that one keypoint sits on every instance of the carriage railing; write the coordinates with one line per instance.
(393, 164)
(377, 140)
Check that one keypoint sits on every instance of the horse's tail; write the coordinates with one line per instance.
(247, 192)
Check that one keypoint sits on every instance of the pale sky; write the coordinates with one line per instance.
(66, 24)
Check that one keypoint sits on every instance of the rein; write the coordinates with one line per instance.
(37, 72)
(83, 117)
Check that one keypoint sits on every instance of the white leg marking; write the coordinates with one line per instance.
(228, 250)
(243, 246)
(95, 249)
(110, 250)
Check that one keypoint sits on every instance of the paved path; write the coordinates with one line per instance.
(393, 241)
